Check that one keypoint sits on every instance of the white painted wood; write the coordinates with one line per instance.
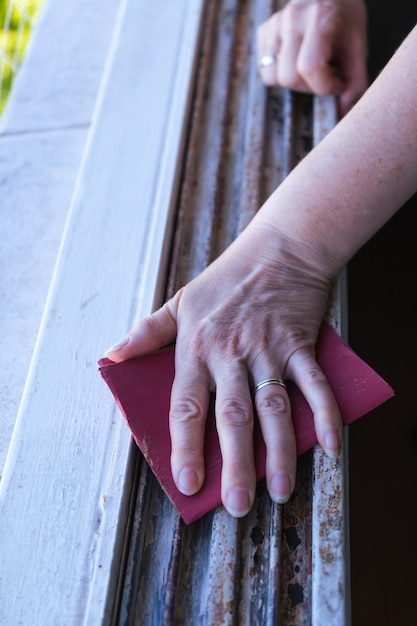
(56, 84)
(61, 494)
(42, 137)
(37, 178)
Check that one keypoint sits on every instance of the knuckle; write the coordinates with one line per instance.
(329, 12)
(275, 22)
(150, 324)
(288, 78)
(291, 16)
(187, 411)
(315, 376)
(241, 470)
(233, 412)
(316, 74)
(271, 403)
(307, 65)
(186, 449)
(171, 306)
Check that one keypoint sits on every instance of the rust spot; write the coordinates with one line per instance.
(296, 594)
(257, 535)
(292, 537)
(145, 451)
(326, 555)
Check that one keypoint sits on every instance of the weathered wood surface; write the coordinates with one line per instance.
(64, 486)
(98, 542)
(42, 137)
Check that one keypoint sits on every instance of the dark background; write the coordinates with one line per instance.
(383, 446)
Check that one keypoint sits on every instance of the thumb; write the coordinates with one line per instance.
(348, 98)
(149, 334)
(355, 78)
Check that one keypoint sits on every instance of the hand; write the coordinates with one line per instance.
(253, 314)
(319, 47)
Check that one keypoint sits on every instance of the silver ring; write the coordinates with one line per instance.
(267, 60)
(269, 381)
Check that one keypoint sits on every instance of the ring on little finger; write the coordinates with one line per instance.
(267, 60)
(269, 381)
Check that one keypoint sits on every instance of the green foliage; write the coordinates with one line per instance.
(31, 8)
(13, 39)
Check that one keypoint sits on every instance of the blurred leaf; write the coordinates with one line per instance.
(13, 39)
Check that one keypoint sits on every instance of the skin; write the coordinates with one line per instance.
(255, 312)
(321, 47)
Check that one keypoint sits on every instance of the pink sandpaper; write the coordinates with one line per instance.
(142, 386)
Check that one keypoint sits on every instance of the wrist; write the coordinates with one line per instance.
(298, 227)
(270, 245)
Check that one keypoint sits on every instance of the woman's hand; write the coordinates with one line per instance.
(252, 315)
(255, 312)
(316, 46)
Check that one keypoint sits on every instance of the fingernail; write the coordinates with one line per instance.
(188, 482)
(120, 344)
(332, 444)
(280, 487)
(238, 502)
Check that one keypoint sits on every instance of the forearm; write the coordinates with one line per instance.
(360, 174)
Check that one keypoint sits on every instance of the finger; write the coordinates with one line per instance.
(314, 386)
(234, 419)
(149, 334)
(319, 76)
(188, 411)
(274, 414)
(349, 97)
(268, 45)
(291, 39)
(355, 76)
(316, 59)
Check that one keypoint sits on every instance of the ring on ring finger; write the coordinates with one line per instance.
(267, 60)
(269, 381)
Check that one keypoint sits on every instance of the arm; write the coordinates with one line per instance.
(360, 174)
(321, 47)
(255, 312)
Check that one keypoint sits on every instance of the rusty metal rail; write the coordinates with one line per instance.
(280, 564)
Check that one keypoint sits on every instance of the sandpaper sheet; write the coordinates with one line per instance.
(142, 387)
